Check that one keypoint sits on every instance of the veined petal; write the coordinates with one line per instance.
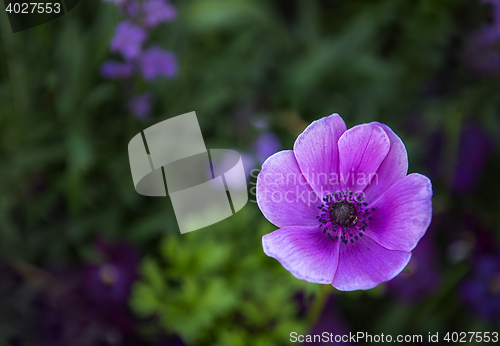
(393, 168)
(304, 251)
(364, 264)
(283, 194)
(316, 152)
(361, 151)
(402, 214)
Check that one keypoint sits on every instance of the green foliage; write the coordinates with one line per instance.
(216, 286)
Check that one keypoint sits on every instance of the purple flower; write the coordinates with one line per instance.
(115, 69)
(481, 292)
(89, 306)
(132, 8)
(128, 40)
(473, 154)
(266, 144)
(158, 11)
(349, 215)
(156, 62)
(420, 278)
(496, 11)
(481, 54)
(140, 106)
(111, 280)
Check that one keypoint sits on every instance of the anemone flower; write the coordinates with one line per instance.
(481, 291)
(348, 213)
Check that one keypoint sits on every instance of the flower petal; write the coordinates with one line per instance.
(364, 264)
(283, 195)
(304, 251)
(402, 214)
(317, 153)
(361, 151)
(393, 168)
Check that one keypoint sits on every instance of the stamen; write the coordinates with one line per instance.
(344, 212)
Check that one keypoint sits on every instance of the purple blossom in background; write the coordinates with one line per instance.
(130, 35)
(481, 54)
(421, 277)
(249, 163)
(140, 106)
(473, 153)
(111, 280)
(474, 150)
(117, 70)
(266, 145)
(337, 223)
(128, 40)
(88, 307)
(481, 292)
(158, 11)
(132, 8)
(156, 62)
(496, 11)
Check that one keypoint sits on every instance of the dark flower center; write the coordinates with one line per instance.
(344, 216)
(343, 213)
(108, 274)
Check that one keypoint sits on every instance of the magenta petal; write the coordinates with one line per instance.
(361, 151)
(402, 214)
(303, 251)
(393, 168)
(317, 153)
(364, 264)
(283, 195)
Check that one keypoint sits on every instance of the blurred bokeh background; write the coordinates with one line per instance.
(85, 260)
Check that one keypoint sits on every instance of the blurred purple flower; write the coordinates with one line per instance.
(156, 62)
(421, 277)
(89, 307)
(266, 145)
(111, 280)
(474, 151)
(132, 8)
(128, 40)
(481, 292)
(481, 52)
(158, 11)
(249, 164)
(140, 106)
(496, 11)
(114, 69)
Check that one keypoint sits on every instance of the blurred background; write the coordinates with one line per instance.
(85, 260)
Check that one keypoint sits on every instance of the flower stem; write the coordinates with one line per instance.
(317, 306)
